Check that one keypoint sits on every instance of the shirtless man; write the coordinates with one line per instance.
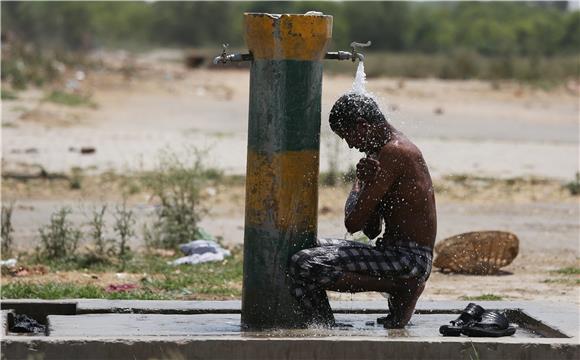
(393, 187)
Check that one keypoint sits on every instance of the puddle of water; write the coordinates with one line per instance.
(127, 325)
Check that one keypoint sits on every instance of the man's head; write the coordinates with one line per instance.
(357, 119)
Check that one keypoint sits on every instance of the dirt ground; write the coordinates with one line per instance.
(488, 132)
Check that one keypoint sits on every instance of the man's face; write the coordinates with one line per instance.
(359, 137)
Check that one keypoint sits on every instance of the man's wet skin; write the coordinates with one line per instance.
(393, 187)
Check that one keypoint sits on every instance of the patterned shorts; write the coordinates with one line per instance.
(314, 270)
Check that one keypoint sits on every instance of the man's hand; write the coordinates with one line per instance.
(367, 169)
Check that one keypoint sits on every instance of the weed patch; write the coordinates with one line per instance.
(159, 280)
(177, 185)
(574, 186)
(568, 271)
(6, 231)
(60, 238)
(69, 99)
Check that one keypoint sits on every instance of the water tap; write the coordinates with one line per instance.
(356, 45)
(224, 57)
(345, 55)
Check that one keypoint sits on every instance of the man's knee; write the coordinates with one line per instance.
(299, 263)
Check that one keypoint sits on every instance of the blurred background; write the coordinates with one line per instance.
(118, 105)
(527, 40)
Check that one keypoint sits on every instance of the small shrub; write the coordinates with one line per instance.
(97, 232)
(59, 239)
(177, 186)
(124, 227)
(7, 230)
(76, 178)
(574, 186)
(213, 174)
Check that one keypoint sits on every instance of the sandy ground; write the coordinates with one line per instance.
(462, 127)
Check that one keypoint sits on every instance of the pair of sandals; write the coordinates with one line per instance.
(475, 321)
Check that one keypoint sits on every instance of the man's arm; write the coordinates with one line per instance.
(361, 208)
(373, 227)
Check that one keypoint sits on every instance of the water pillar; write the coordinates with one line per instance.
(282, 160)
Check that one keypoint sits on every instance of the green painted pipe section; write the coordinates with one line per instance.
(266, 300)
(284, 105)
(284, 135)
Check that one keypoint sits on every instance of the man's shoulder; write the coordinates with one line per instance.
(400, 148)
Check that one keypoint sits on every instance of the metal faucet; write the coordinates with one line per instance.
(225, 58)
(333, 55)
(345, 55)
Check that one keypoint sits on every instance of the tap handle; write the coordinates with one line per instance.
(354, 45)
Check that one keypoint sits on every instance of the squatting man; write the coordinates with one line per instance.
(392, 200)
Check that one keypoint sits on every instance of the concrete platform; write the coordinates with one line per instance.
(99, 329)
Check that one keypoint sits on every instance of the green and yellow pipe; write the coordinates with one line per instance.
(282, 160)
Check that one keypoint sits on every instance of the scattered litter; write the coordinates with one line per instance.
(88, 150)
(121, 275)
(200, 251)
(120, 287)
(8, 263)
(478, 252)
(211, 191)
(80, 75)
(26, 324)
(21, 271)
(370, 323)
(85, 150)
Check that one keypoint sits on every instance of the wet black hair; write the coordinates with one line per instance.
(350, 107)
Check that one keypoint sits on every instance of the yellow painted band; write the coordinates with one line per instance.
(287, 37)
(282, 190)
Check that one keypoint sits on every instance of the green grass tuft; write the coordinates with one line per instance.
(68, 99)
(564, 281)
(568, 271)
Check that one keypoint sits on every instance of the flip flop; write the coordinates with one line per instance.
(471, 314)
(479, 252)
(492, 324)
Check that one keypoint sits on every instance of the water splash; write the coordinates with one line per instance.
(360, 80)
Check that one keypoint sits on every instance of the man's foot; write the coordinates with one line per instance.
(402, 306)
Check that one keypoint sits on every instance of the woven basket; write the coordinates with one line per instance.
(479, 252)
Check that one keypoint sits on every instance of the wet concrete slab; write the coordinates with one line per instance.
(99, 325)
(119, 329)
